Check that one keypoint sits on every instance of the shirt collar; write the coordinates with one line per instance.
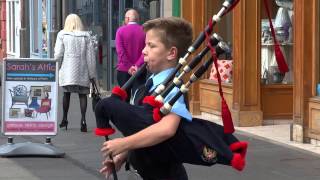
(160, 77)
(132, 23)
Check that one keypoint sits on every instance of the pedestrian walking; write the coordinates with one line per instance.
(74, 48)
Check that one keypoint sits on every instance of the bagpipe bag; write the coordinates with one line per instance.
(199, 142)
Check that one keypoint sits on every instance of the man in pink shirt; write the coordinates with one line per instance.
(130, 41)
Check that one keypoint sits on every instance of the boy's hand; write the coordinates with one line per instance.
(114, 147)
(133, 69)
(118, 161)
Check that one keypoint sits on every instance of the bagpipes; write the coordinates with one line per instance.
(209, 142)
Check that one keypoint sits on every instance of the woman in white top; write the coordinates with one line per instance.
(74, 49)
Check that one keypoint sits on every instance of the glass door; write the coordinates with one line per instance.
(115, 17)
(116, 10)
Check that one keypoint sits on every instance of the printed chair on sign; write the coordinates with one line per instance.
(45, 107)
(19, 94)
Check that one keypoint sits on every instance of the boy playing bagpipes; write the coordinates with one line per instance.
(158, 147)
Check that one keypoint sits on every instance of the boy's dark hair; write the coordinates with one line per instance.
(173, 31)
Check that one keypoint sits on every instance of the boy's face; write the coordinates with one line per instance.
(156, 55)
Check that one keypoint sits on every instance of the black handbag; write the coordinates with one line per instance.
(95, 94)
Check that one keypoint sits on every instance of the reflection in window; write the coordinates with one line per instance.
(114, 18)
(11, 26)
(143, 6)
(85, 11)
(40, 28)
(128, 4)
(34, 26)
(114, 66)
(44, 43)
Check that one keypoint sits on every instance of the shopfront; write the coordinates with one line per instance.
(313, 113)
(256, 92)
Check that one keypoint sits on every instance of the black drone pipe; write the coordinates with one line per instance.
(140, 71)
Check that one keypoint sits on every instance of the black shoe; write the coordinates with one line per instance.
(83, 127)
(64, 123)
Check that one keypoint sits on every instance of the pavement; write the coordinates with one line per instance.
(271, 155)
(276, 132)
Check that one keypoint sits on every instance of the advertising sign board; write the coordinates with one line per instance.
(29, 97)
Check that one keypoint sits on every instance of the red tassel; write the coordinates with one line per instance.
(282, 65)
(120, 92)
(156, 107)
(156, 115)
(228, 127)
(104, 131)
(238, 162)
(239, 147)
(152, 102)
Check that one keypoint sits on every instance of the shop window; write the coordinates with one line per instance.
(224, 30)
(85, 9)
(39, 27)
(13, 27)
(44, 28)
(281, 14)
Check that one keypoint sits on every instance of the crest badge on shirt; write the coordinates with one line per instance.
(209, 155)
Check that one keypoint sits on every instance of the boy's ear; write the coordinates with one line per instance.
(173, 53)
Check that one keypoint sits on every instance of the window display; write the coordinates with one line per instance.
(283, 32)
